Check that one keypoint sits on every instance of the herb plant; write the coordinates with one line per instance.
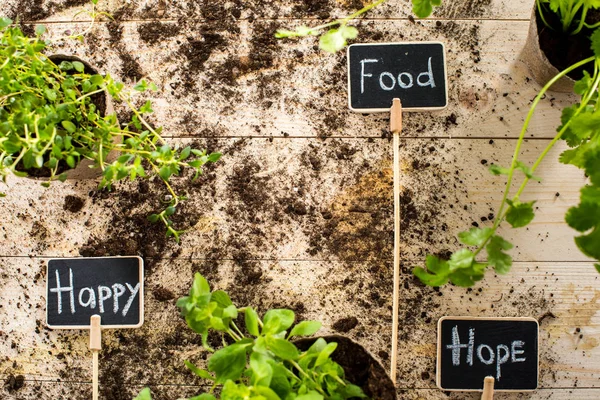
(571, 13)
(580, 129)
(48, 119)
(261, 363)
(335, 39)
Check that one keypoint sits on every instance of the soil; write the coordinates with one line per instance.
(359, 366)
(73, 203)
(564, 50)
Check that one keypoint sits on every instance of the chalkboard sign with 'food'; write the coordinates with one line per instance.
(413, 72)
(111, 287)
(469, 349)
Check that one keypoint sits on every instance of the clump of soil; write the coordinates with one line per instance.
(13, 383)
(345, 324)
(73, 203)
(155, 31)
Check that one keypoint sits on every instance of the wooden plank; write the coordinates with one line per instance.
(351, 298)
(63, 10)
(240, 81)
(302, 199)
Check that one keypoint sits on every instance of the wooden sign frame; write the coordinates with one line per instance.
(439, 346)
(140, 294)
(409, 109)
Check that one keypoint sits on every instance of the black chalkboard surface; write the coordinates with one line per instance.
(112, 287)
(469, 349)
(413, 72)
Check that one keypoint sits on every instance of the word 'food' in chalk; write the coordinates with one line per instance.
(388, 81)
(105, 298)
(483, 353)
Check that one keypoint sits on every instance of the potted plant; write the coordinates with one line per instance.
(558, 37)
(53, 117)
(580, 129)
(261, 361)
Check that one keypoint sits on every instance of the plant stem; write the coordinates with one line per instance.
(345, 20)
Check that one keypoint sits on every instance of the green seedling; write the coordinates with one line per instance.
(571, 13)
(580, 129)
(49, 120)
(337, 33)
(262, 362)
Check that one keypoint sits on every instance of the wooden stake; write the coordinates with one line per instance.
(488, 388)
(396, 128)
(95, 346)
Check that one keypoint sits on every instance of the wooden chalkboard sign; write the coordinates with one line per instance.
(111, 287)
(413, 72)
(469, 349)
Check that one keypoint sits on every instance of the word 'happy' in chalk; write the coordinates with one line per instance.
(469, 349)
(413, 72)
(78, 288)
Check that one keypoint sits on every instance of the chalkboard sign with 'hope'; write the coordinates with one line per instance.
(469, 349)
(413, 72)
(111, 287)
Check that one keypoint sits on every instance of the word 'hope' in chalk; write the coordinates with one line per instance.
(388, 81)
(483, 353)
(86, 297)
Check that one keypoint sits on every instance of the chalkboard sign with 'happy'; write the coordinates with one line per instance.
(111, 287)
(413, 72)
(469, 349)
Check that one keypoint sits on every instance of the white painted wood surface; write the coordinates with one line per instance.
(278, 147)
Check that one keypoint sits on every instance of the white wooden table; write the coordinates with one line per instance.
(298, 213)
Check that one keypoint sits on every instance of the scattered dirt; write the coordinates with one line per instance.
(155, 31)
(73, 203)
(345, 324)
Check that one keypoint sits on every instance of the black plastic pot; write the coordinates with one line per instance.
(359, 365)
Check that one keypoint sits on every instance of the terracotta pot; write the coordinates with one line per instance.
(360, 367)
(540, 67)
(105, 107)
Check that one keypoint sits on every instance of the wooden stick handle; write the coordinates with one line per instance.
(488, 388)
(95, 346)
(396, 128)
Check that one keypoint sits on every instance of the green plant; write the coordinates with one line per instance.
(48, 119)
(335, 39)
(261, 363)
(580, 129)
(571, 14)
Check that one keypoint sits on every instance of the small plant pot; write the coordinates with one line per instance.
(104, 104)
(359, 365)
(541, 69)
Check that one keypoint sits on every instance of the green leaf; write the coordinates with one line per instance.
(153, 218)
(465, 278)
(519, 214)
(498, 170)
(475, 236)
(595, 39)
(597, 266)
(497, 257)
(463, 258)
(277, 320)
(228, 363)
(145, 394)
(40, 30)
(590, 244)
(4, 22)
(437, 265)
(262, 372)
(305, 328)
(348, 32)
(251, 320)
(198, 371)
(214, 157)
(422, 8)
(265, 393)
(200, 287)
(170, 211)
(312, 395)
(325, 353)
(351, 391)
(430, 279)
(332, 41)
(165, 173)
(221, 298)
(583, 217)
(230, 312)
(282, 348)
(79, 67)
(69, 126)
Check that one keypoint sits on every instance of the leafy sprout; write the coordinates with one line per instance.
(261, 363)
(571, 13)
(580, 129)
(49, 119)
(338, 32)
